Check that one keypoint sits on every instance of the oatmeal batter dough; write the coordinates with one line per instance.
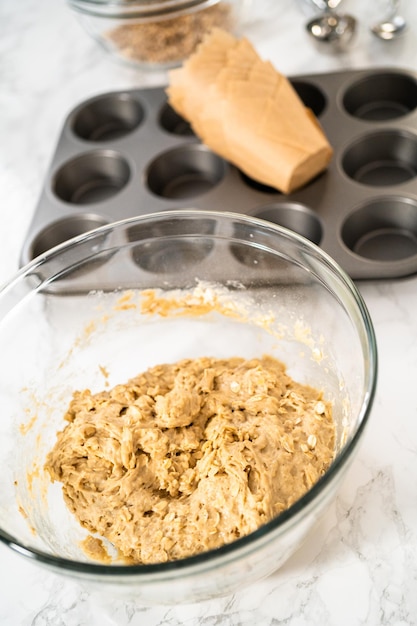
(189, 456)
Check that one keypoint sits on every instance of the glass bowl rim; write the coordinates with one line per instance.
(119, 9)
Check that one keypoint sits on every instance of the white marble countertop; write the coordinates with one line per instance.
(360, 565)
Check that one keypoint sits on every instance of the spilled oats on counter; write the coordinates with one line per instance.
(188, 456)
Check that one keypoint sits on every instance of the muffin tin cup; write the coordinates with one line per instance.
(123, 154)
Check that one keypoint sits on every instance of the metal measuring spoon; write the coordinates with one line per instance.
(391, 27)
(330, 30)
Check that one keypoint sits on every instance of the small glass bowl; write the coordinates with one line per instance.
(74, 313)
(155, 34)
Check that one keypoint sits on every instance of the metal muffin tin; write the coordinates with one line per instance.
(127, 153)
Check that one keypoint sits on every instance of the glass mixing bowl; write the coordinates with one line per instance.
(227, 285)
(156, 34)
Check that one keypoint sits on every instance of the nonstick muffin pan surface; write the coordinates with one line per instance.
(127, 153)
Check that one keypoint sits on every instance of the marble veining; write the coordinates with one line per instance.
(359, 566)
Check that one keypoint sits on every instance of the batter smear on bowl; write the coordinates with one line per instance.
(188, 456)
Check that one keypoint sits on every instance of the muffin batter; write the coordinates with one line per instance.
(189, 456)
